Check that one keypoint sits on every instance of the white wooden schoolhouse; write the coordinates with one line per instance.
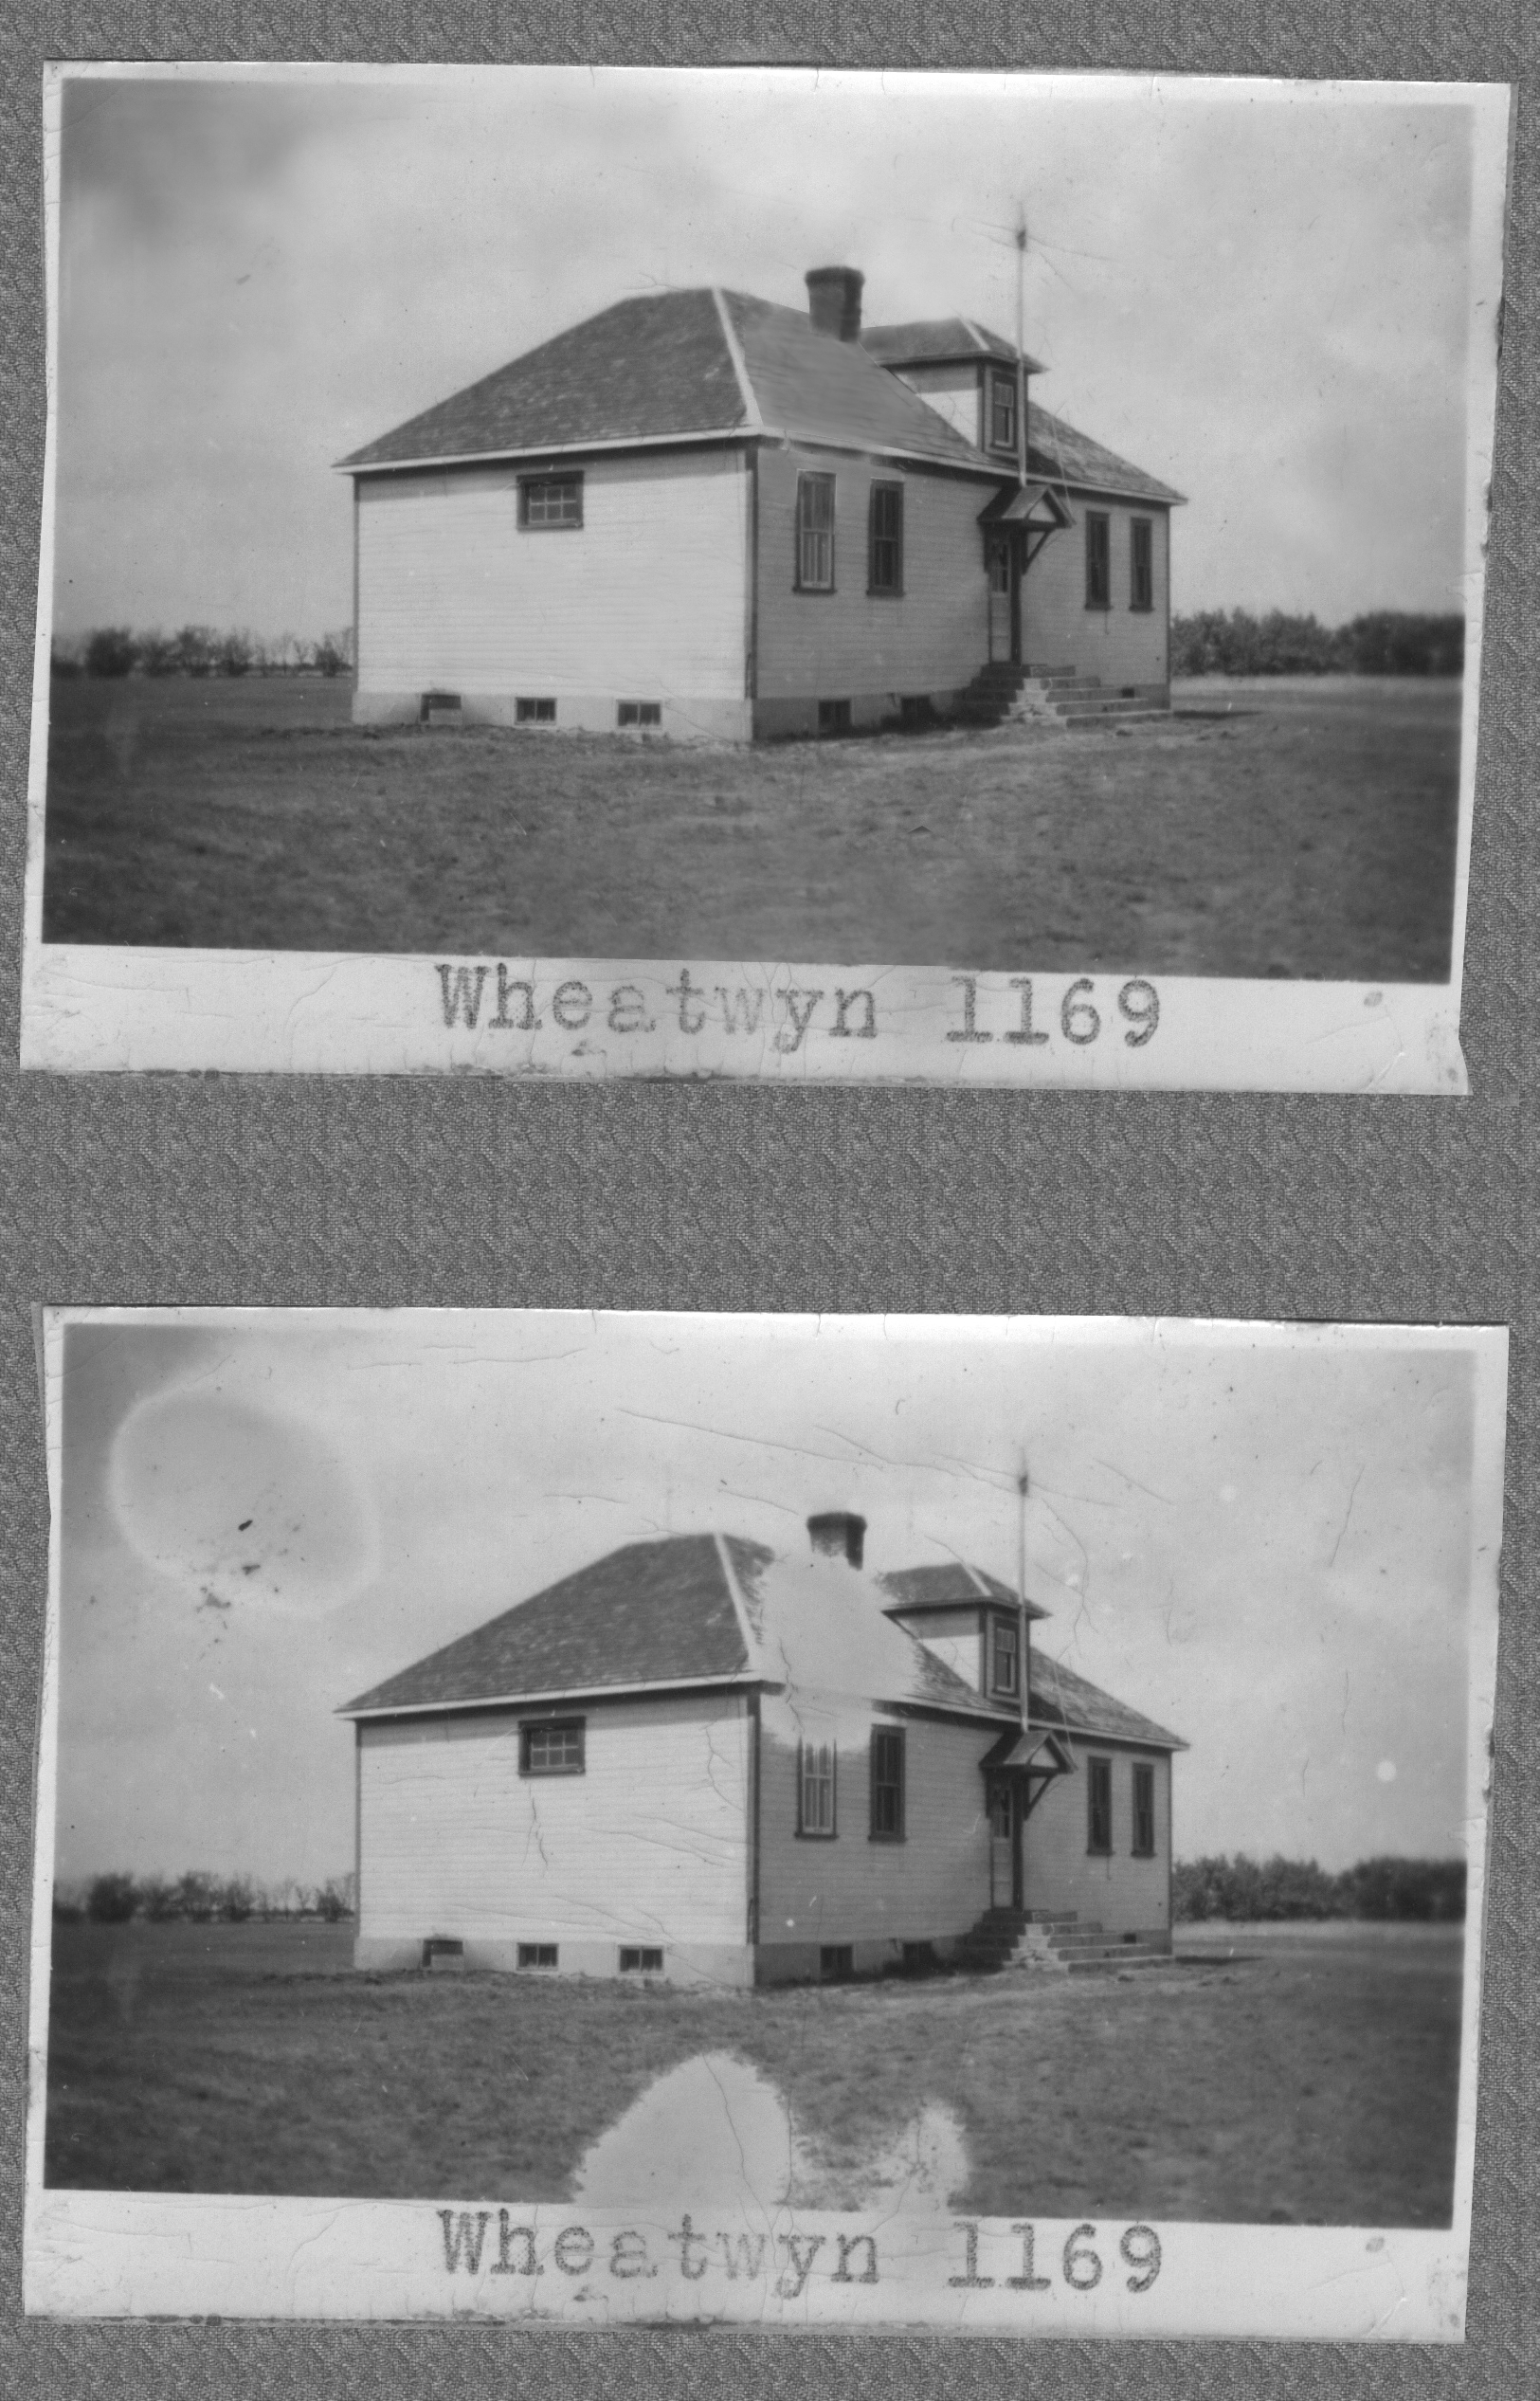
(698, 1759)
(719, 518)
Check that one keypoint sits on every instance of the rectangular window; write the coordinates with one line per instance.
(1005, 1666)
(1141, 563)
(536, 1954)
(815, 533)
(1098, 559)
(640, 713)
(552, 1746)
(1143, 1811)
(885, 563)
(639, 1960)
(836, 1959)
(816, 1768)
(887, 1784)
(546, 502)
(834, 716)
(1099, 1776)
(535, 712)
(1002, 412)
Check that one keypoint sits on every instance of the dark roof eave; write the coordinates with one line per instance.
(981, 469)
(740, 1679)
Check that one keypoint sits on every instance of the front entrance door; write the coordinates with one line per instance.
(1004, 569)
(1005, 1843)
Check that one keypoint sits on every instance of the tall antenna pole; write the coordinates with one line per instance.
(1020, 349)
(1023, 1487)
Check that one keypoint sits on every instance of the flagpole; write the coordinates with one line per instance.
(1022, 1485)
(1020, 345)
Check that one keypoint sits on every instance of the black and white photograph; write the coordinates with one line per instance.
(965, 1822)
(765, 574)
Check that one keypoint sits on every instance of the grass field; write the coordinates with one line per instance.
(1267, 829)
(1307, 2077)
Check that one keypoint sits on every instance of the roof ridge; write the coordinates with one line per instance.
(751, 1654)
(752, 415)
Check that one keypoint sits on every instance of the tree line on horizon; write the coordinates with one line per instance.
(1386, 642)
(119, 650)
(1380, 1887)
(200, 1898)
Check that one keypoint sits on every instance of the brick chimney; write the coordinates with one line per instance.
(833, 301)
(839, 1533)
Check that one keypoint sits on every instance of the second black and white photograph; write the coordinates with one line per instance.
(943, 1822)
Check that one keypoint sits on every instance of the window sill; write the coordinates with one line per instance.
(815, 592)
(815, 1834)
(884, 592)
(542, 1775)
(1141, 607)
(574, 528)
(891, 1839)
(1091, 1851)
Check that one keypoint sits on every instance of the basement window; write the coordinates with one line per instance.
(538, 1954)
(535, 712)
(640, 713)
(887, 1784)
(836, 1959)
(1141, 563)
(1005, 1656)
(1099, 1796)
(834, 716)
(551, 1746)
(440, 1947)
(1144, 1810)
(640, 1959)
(550, 502)
(816, 1770)
(1098, 559)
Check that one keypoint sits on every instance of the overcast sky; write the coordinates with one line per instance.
(1264, 1545)
(1261, 296)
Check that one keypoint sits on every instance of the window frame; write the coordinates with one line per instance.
(889, 1738)
(529, 1954)
(818, 1833)
(640, 1958)
(530, 484)
(1144, 1810)
(529, 1727)
(1002, 390)
(1098, 570)
(1099, 1796)
(1142, 537)
(885, 488)
(809, 479)
(1003, 1624)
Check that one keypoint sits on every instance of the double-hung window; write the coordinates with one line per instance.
(1099, 1795)
(887, 1784)
(1141, 563)
(1098, 559)
(1005, 1659)
(816, 1769)
(815, 533)
(1144, 1810)
(1002, 412)
(885, 562)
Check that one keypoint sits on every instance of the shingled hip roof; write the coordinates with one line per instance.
(672, 366)
(1061, 1697)
(685, 1609)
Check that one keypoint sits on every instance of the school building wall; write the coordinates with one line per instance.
(1122, 645)
(646, 1847)
(851, 644)
(646, 600)
(874, 1894)
(1061, 1873)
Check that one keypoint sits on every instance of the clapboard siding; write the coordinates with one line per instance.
(648, 599)
(1125, 1894)
(648, 1845)
(850, 1889)
(1119, 644)
(846, 643)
